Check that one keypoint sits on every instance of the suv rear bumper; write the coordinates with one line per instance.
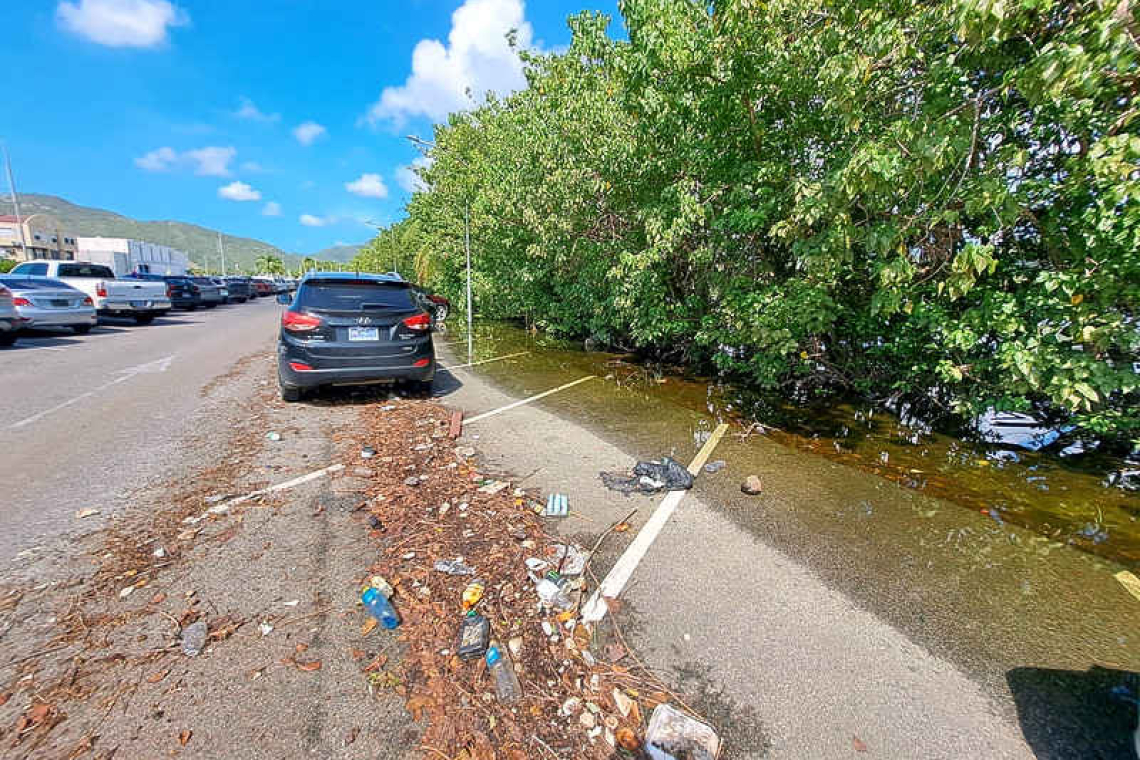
(391, 370)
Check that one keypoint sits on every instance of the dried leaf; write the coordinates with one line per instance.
(621, 527)
(156, 677)
(158, 598)
(858, 744)
(613, 604)
(627, 740)
(300, 647)
(614, 652)
(369, 624)
(4, 698)
(184, 736)
(357, 654)
(39, 712)
(376, 664)
(309, 667)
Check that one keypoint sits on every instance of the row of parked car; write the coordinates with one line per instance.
(74, 294)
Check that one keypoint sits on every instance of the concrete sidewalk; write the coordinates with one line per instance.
(784, 665)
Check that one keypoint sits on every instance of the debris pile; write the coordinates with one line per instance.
(496, 659)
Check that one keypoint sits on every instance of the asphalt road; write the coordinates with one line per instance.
(86, 419)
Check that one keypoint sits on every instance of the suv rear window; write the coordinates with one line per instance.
(354, 295)
(86, 270)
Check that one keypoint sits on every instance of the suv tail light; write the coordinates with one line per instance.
(294, 321)
(169, 291)
(419, 323)
(101, 289)
(87, 301)
(21, 301)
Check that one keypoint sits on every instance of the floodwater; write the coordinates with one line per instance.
(1003, 562)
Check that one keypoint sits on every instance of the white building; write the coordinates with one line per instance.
(127, 256)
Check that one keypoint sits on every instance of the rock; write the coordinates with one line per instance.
(752, 486)
(717, 466)
(411, 481)
(362, 472)
(81, 514)
(194, 638)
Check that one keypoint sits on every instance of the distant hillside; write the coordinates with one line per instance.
(198, 242)
(343, 253)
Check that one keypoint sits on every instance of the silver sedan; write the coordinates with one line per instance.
(44, 302)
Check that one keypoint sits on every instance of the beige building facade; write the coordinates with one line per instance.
(45, 235)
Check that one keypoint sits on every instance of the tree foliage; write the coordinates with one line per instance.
(938, 200)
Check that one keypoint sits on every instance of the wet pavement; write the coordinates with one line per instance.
(1035, 617)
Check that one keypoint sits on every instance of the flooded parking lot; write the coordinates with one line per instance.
(983, 558)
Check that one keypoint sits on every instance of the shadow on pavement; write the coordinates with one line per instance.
(1069, 714)
(355, 395)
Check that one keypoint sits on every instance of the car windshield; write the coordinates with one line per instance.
(29, 283)
(86, 270)
(354, 295)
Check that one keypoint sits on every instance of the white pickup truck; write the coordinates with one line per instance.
(141, 300)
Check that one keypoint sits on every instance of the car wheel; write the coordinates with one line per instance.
(8, 338)
(144, 319)
(290, 393)
(81, 329)
(441, 312)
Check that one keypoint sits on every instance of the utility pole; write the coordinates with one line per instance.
(15, 201)
(222, 253)
(467, 244)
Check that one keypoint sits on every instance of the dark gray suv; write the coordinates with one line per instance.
(343, 328)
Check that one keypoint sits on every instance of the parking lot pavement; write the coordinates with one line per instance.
(784, 665)
(86, 419)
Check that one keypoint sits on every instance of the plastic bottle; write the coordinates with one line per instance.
(380, 608)
(507, 684)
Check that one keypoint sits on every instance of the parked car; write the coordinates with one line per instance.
(44, 302)
(263, 287)
(439, 306)
(9, 320)
(135, 299)
(241, 289)
(183, 293)
(209, 293)
(343, 328)
(223, 288)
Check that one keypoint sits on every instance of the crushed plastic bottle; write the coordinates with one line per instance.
(453, 567)
(672, 735)
(507, 685)
(380, 608)
(554, 591)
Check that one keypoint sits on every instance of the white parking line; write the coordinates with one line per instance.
(221, 509)
(508, 407)
(620, 573)
(485, 361)
(159, 365)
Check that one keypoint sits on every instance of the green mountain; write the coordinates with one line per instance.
(199, 243)
(343, 253)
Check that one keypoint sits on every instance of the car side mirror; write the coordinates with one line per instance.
(284, 299)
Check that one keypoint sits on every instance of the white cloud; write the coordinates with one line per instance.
(408, 178)
(476, 58)
(368, 186)
(252, 167)
(121, 23)
(211, 161)
(308, 132)
(157, 160)
(251, 112)
(272, 208)
(315, 221)
(239, 191)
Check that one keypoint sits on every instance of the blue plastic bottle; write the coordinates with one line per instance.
(380, 608)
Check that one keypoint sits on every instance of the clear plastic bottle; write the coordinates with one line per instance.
(499, 665)
(380, 608)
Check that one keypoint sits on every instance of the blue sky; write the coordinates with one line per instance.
(282, 120)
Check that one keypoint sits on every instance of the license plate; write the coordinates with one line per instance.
(60, 302)
(364, 333)
(140, 304)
